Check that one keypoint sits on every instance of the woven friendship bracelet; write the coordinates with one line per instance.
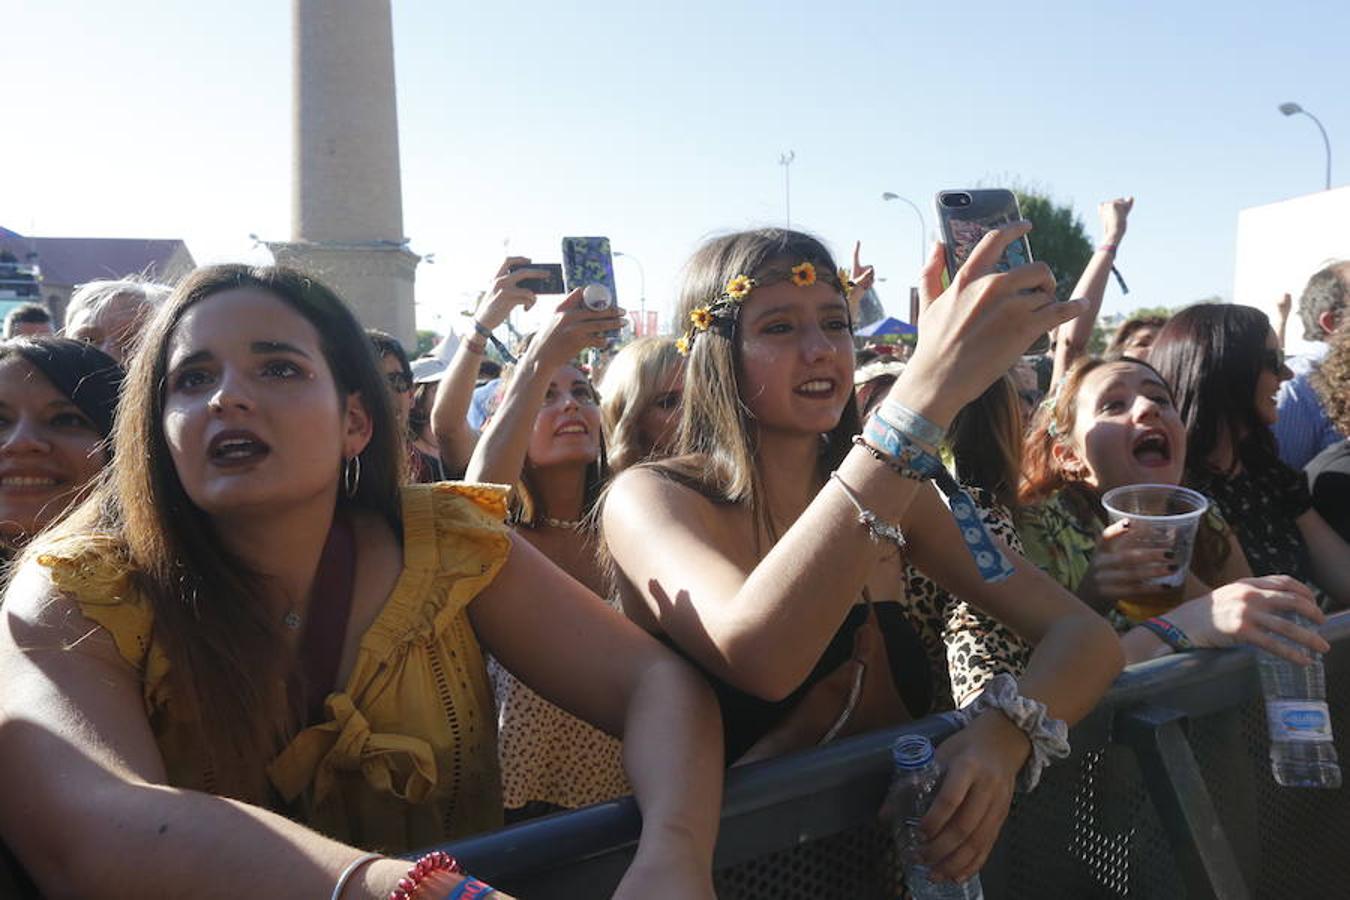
(1169, 634)
(908, 458)
(471, 889)
(911, 423)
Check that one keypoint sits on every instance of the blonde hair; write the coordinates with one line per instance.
(631, 383)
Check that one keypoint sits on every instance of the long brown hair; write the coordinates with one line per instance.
(986, 439)
(1212, 354)
(716, 448)
(229, 665)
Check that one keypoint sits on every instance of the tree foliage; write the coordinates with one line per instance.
(1058, 238)
(426, 340)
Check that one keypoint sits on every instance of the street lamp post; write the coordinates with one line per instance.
(785, 160)
(642, 291)
(923, 226)
(1293, 109)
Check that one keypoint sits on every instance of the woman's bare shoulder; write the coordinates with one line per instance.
(656, 491)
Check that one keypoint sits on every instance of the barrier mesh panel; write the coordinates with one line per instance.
(856, 863)
(1088, 831)
(1302, 833)
(1091, 830)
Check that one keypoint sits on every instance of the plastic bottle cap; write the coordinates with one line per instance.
(912, 751)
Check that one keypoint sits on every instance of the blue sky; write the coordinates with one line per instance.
(658, 124)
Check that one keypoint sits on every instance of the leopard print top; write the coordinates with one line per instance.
(965, 647)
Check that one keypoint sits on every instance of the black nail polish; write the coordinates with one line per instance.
(1170, 554)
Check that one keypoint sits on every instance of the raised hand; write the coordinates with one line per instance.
(572, 329)
(1113, 215)
(506, 293)
(972, 332)
(862, 278)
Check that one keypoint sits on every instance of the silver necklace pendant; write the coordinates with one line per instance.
(573, 524)
(291, 620)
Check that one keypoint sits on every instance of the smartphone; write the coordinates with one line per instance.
(589, 265)
(967, 216)
(550, 284)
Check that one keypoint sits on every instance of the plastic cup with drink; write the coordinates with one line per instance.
(1163, 517)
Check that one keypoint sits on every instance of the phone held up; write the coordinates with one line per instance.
(552, 283)
(589, 265)
(967, 216)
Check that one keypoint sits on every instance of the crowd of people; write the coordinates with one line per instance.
(283, 604)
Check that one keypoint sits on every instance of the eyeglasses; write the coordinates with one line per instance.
(1272, 360)
(399, 382)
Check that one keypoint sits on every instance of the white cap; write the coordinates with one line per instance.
(429, 368)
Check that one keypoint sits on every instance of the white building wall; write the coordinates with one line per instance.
(1280, 245)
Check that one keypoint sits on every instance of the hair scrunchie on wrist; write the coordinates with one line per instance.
(1049, 737)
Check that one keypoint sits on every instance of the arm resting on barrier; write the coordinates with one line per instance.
(1248, 611)
(1076, 657)
(587, 658)
(86, 806)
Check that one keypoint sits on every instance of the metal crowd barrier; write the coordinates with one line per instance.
(1168, 794)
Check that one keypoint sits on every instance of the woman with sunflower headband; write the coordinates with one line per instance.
(749, 550)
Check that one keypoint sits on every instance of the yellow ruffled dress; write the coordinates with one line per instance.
(407, 757)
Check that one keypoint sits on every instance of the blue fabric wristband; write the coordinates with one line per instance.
(989, 558)
(471, 889)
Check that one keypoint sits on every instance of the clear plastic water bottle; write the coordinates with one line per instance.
(1302, 753)
(913, 785)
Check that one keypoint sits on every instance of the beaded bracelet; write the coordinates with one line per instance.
(435, 861)
(889, 462)
(1169, 634)
(909, 456)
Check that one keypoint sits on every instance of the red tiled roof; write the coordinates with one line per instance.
(77, 260)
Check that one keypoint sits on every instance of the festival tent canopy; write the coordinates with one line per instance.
(887, 326)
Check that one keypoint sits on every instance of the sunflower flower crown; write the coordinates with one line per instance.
(721, 313)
